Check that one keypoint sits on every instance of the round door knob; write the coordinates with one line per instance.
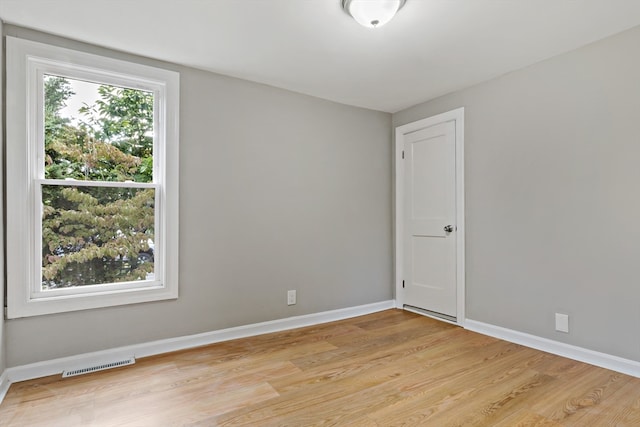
(448, 228)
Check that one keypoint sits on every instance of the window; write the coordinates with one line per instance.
(92, 181)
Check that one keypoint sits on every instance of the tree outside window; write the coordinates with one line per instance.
(97, 235)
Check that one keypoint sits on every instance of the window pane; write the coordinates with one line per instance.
(96, 235)
(97, 132)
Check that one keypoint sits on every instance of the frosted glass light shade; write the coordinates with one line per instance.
(372, 13)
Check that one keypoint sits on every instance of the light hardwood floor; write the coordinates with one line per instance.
(391, 368)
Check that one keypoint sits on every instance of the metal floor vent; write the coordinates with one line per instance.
(101, 367)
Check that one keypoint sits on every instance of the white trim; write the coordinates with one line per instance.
(399, 215)
(603, 360)
(457, 116)
(110, 184)
(4, 385)
(56, 366)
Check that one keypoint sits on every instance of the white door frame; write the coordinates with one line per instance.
(456, 115)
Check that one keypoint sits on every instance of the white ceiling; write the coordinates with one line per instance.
(432, 47)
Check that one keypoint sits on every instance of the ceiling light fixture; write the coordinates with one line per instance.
(372, 13)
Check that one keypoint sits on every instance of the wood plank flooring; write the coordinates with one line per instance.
(392, 368)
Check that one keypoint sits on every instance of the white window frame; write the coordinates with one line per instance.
(26, 63)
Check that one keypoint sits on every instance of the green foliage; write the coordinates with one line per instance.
(95, 234)
(123, 117)
(56, 93)
(113, 142)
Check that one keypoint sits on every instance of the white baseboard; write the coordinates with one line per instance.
(615, 363)
(56, 366)
(4, 385)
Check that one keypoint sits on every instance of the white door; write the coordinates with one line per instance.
(429, 220)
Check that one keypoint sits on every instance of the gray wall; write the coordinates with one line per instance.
(3, 346)
(552, 195)
(277, 191)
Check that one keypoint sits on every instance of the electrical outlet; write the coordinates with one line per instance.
(562, 322)
(291, 297)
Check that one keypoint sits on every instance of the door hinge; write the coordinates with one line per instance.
(403, 284)
(403, 154)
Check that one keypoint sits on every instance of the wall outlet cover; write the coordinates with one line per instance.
(291, 297)
(562, 322)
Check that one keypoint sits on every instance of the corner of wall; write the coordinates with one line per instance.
(3, 378)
